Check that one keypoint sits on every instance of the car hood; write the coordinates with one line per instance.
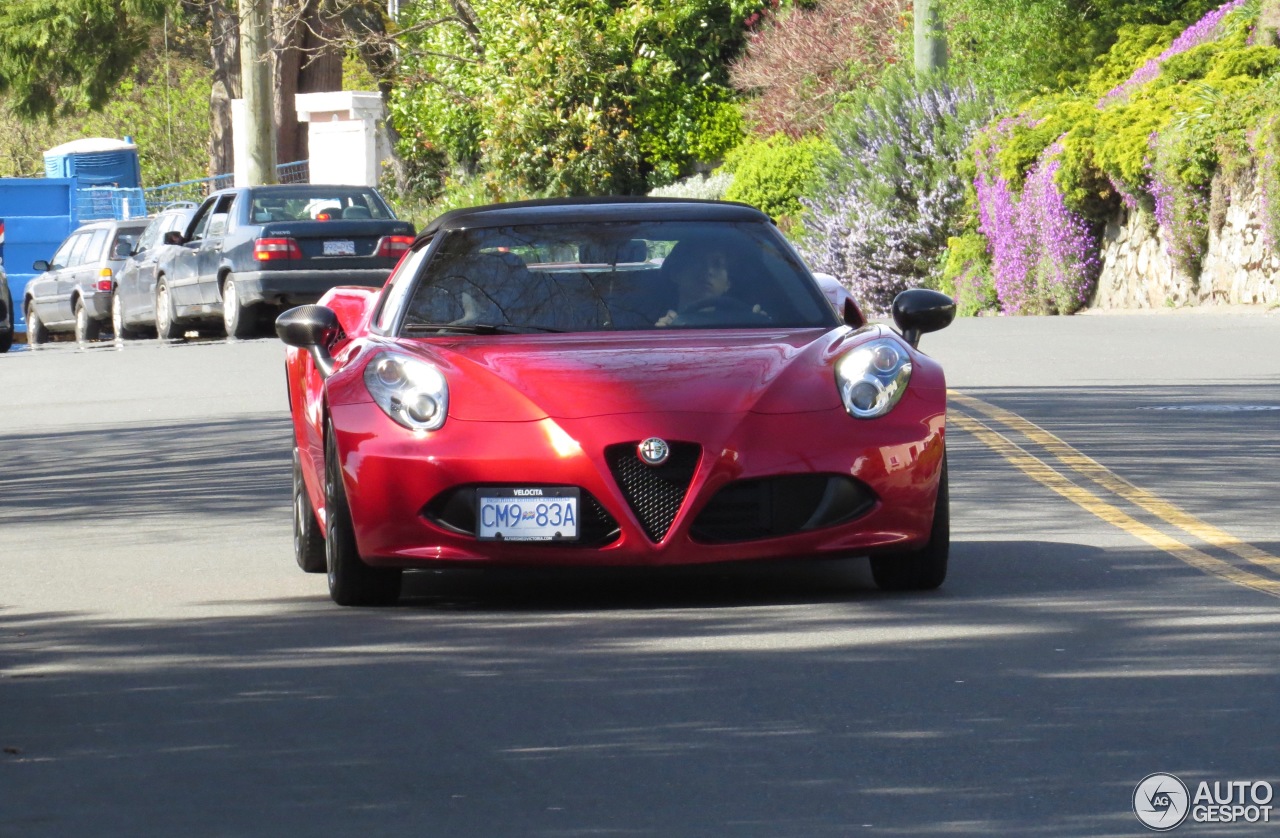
(575, 377)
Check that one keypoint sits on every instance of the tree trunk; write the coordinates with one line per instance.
(224, 47)
(308, 59)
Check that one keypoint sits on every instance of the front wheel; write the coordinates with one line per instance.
(118, 327)
(308, 542)
(87, 329)
(351, 581)
(37, 332)
(926, 568)
(167, 327)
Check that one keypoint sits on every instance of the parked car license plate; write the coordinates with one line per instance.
(339, 248)
(533, 514)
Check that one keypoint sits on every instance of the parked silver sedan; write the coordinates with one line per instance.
(72, 292)
(133, 305)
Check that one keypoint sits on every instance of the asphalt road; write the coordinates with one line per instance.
(1111, 612)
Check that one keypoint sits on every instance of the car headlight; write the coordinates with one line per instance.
(412, 392)
(873, 377)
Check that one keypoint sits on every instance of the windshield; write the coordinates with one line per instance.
(589, 277)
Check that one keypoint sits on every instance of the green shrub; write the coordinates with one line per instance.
(967, 276)
(773, 174)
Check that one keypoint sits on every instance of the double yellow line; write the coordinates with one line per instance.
(966, 418)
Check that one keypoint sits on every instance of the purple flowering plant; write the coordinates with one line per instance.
(1048, 177)
(888, 199)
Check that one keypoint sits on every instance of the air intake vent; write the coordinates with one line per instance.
(654, 492)
(776, 506)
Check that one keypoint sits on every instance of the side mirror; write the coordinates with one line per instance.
(174, 237)
(841, 300)
(313, 328)
(919, 310)
(40, 265)
(123, 250)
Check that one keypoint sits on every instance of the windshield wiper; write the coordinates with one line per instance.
(478, 328)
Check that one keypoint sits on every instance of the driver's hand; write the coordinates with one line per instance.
(470, 310)
(666, 319)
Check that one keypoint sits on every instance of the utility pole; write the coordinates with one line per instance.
(930, 40)
(255, 74)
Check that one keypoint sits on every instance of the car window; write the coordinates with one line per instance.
(63, 256)
(174, 221)
(97, 247)
(307, 202)
(398, 286)
(595, 276)
(128, 236)
(150, 236)
(202, 219)
(78, 249)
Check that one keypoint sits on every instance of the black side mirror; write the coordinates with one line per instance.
(313, 328)
(174, 237)
(40, 265)
(919, 310)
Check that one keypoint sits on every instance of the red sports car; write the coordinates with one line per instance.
(611, 382)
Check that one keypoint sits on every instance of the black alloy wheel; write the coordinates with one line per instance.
(926, 568)
(308, 541)
(351, 581)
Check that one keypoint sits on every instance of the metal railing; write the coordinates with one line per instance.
(195, 191)
(101, 202)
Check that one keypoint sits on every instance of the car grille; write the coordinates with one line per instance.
(654, 492)
(455, 510)
(774, 506)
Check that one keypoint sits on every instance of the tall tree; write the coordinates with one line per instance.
(64, 55)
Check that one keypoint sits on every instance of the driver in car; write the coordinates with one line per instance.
(702, 277)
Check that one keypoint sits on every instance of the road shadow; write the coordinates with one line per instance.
(504, 703)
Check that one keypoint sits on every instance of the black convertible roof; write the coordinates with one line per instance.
(570, 210)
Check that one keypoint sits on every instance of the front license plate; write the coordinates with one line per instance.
(546, 514)
(340, 248)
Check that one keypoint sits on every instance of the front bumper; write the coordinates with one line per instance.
(395, 481)
(296, 287)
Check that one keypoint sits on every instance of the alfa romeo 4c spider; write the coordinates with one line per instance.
(611, 382)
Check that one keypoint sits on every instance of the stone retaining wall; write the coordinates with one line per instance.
(1238, 269)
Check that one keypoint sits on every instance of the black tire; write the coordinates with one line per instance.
(351, 581)
(87, 329)
(308, 541)
(167, 327)
(118, 327)
(37, 332)
(6, 342)
(924, 569)
(241, 321)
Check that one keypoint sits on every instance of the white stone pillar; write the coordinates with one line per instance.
(344, 136)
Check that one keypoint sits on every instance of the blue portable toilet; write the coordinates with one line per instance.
(96, 161)
(108, 173)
